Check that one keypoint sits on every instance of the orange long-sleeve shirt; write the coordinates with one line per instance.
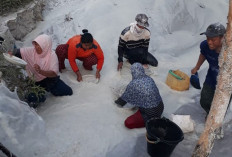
(76, 51)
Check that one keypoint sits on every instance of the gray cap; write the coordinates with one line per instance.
(214, 30)
(142, 20)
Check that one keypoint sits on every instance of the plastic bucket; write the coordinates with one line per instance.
(162, 137)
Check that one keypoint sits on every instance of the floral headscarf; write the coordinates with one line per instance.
(142, 90)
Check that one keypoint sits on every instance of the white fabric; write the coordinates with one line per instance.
(135, 30)
(184, 122)
(135, 33)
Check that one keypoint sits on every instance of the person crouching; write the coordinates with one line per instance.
(143, 93)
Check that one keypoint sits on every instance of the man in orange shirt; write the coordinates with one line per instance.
(84, 48)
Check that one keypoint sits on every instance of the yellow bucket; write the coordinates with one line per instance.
(178, 80)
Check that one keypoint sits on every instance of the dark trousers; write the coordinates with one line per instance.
(141, 56)
(207, 94)
(56, 86)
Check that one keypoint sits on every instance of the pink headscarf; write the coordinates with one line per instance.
(47, 60)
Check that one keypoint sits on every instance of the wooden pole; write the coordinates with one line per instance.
(221, 97)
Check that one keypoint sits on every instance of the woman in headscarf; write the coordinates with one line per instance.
(143, 93)
(42, 66)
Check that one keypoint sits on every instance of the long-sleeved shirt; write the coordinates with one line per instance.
(75, 50)
(130, 40)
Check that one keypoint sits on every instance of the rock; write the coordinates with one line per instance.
(26, 20)
(8, 43)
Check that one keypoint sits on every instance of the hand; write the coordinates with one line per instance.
(10, 53)
(79, 76)
(37, 68)
(120, 102)
(145, 66)
(194, 70)
(120, 66)
(98, 75)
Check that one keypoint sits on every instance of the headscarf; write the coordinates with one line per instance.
(135, 30)
(47, 60)
(142, 90)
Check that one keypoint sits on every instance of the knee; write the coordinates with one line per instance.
(154, 63)
(69, 91)
(61, 89)
(205, 104)
(134, 121)
(129, 124)
(64, 92)
(152, 60)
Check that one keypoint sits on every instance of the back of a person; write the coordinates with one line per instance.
(142, 93)
(145, 84)
(143, 88)
(75, 39)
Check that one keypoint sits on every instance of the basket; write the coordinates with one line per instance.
(178, 80)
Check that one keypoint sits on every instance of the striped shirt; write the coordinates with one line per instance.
(129, 40)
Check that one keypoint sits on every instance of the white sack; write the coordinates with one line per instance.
(22, 131)
(184, 122)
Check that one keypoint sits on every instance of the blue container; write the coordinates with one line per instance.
(194, 80)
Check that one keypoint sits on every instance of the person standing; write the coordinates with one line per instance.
(209, 51)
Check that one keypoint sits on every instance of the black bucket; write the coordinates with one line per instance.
(162, 137)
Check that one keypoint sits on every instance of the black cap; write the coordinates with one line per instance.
(214, 30)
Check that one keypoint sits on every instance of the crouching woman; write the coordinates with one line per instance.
(143, 93)
(42, 66)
